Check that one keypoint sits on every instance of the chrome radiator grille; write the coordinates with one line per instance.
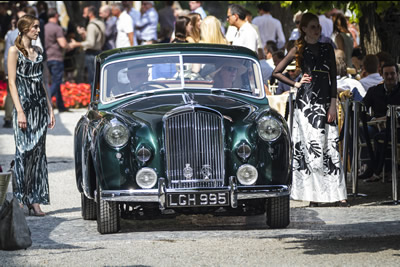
(194, 145)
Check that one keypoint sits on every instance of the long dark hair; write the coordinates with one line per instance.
(180, 27)
(24, 24)
(301, 42)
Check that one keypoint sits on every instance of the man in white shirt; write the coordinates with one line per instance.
(270, 28)
(326, 25)
(124, 26)
(195, 7)
(246, 35)
(370, 72)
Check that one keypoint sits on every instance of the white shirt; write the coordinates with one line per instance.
(326, 25)
(200, 11)
(246, 36)
(352, 85)
(371, 80)
(124, 26)
(270, 29)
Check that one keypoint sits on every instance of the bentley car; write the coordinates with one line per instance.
(181, 129)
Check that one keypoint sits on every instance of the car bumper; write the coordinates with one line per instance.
(236, 192)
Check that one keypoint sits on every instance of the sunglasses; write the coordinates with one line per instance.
(297, 22)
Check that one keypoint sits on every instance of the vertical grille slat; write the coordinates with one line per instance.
(194, 139)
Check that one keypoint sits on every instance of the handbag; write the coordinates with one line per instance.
(14, 231)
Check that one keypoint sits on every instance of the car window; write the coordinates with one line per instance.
(133, 76)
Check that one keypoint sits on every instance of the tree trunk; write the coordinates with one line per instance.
(369, 37)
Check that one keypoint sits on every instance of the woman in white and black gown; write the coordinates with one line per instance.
(317, 172)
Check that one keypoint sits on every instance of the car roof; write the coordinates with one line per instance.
(176, 48)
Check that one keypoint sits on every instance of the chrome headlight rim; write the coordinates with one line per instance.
(149, 185)
(272, 119)
(114, 126)
(241, 179)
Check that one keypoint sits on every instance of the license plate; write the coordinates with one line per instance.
(198, 199)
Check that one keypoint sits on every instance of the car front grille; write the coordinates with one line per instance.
(194, 145)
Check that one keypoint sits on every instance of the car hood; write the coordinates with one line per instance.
(152, 109)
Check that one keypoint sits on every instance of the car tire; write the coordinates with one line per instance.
(108, 218)
(278, 212)
(88, 208)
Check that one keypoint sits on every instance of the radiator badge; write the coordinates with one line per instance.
(188, 171)
(206, 171)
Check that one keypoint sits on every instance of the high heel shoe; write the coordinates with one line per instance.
(35, 212)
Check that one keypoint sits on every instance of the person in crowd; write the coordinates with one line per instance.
(246, 35)
(277, 57)
(270, 48)
(357, 58)
(378, 98)
(182, 27)
(55, 45)
(270, 28)
(10, 38)
(370, 72)
(166, 20)
(326, 23)
(383, 57)
(33, 114)
(293, 74)
(210, 31)
(260, 48)
(295, 34)
(342, 37)
(353, 29)
(146, 26)
(110, 22)
(317, 174)
(135, 15)
(194, 35)
(344, 82)
(195, 7)
(125, 31)
(93, 37)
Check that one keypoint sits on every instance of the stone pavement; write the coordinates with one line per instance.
(63, 226)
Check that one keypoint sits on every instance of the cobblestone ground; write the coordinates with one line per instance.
(366, 234)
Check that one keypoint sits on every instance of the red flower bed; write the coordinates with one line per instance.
(74, 95)
(3, 93)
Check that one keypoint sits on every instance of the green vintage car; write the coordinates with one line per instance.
(181, 128)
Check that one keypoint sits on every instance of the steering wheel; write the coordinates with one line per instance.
(151, 84)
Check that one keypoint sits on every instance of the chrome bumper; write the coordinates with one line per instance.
(236, 193)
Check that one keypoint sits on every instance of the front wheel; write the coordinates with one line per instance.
(108, 219)
(278, 212)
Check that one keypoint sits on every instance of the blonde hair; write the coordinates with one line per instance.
(24, 25)
(210, 31)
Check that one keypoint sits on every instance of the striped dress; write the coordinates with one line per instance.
(31, 183)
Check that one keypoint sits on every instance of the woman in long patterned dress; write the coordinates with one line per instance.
(32, 115)
(317, 172)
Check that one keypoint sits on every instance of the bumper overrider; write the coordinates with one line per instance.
(175, 198)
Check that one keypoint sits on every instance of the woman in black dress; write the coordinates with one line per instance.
(317, 173)
(33, 113)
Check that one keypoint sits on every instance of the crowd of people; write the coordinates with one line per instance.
(314, 63)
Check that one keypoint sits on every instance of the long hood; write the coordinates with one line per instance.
(152, 109)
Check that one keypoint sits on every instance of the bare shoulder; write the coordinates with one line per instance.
(12, 50)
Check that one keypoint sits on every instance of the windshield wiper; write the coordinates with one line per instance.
(131, 93)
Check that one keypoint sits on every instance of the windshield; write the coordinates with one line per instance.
(134, 76)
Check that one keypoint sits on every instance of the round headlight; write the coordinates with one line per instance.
(269, 129)
(143, 154)
(247, 174)
(117, 135)
(146, 178)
